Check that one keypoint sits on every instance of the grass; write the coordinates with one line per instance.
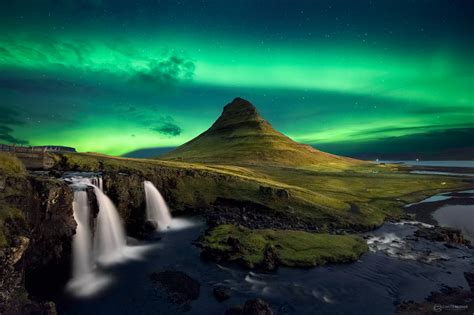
(14, 217)
(361, 196)
(294, 248)
(10, 165)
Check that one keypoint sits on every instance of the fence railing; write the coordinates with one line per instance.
(27, 149)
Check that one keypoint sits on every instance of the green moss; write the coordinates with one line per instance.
(10, 165)
(14, 217)
(294, 248)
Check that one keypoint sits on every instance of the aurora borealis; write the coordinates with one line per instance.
(346, 76)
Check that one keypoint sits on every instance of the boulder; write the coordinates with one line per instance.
(180, 287)
(251, 307)
(256, 307)
(221, 293)
(442, 234)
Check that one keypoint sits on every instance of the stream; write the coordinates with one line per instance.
(387, 274)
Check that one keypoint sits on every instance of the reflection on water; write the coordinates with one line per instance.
(457, 216)
(442, 173)
(434, 163)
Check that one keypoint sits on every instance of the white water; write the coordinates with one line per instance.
(109, 238)
(97, 181)
(82, 241)
(156, 208)
(106, 244)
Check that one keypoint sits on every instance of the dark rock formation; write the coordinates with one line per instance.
(39, 237)
(447, 301)
(221, 293)
(470, 279)
(181, 288)
(442, 234)
(272, 193)
(254, 216)
(270, 258)
(251, 307)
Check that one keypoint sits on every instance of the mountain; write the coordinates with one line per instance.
(241, 136)
(148, 152)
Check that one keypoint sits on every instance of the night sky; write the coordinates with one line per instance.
(345, 76)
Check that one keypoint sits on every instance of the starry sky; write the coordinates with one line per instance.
(349, 77)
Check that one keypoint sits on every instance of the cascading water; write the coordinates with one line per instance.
(156, 208)
(104, 245)
(98, 181)
(82, 241)
(109, 238)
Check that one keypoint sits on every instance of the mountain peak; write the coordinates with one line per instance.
(237, 113)
(239, 104)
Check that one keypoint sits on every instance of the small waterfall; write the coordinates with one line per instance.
(109, 238)
(156, 208)
(82, 241)
(98, 181)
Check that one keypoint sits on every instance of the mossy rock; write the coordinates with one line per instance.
(254, 248)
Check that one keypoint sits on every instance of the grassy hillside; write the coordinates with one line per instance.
(362, 196)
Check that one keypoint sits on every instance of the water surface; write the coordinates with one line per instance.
(457, 216)
(387, 274)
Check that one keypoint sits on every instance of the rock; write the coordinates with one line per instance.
(181, 288)
(442, 234)
(442, 301)
(470, 280)
(221, 293)
(36, 260)
(255, 216)
(150, 226)
(256, 307)
(234, 243)
(17, 252)
(46, 308)
(234, 310)
(251, 307)
(271, 259)
(270, 192)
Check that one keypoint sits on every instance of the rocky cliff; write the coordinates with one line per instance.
(37, 227)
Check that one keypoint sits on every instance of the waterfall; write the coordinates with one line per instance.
(104, 244)
(82, 240)
(98, 181)
(156, 208)
(109, 238)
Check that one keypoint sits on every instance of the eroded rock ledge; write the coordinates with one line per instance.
(38, 226)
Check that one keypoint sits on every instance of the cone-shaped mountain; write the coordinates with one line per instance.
(241, 136)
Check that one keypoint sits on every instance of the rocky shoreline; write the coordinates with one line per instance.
(448, 300)
(35, 265)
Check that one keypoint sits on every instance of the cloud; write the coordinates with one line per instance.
(10, 117)
(171, 69)
(433, 110)
(430, 144)
(6, 136)
(169, 129)
(412, 129)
